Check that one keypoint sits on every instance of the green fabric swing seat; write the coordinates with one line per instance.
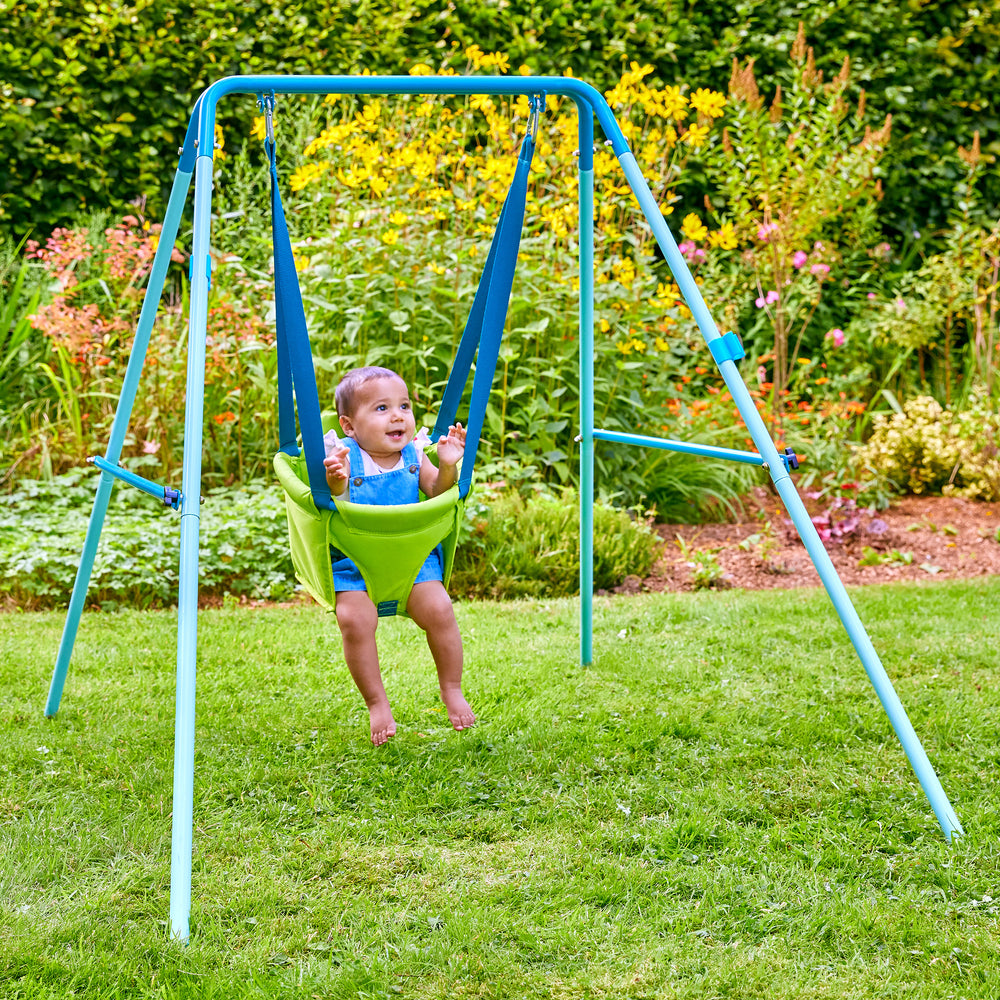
(388, 544)
(388, 551)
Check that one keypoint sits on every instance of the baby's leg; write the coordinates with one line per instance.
(358, 619)
(430, 607)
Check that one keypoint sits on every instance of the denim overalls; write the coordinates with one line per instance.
(396, 487)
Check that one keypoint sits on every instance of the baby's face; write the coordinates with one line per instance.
(382, 422)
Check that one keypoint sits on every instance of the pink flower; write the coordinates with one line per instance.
(691, 252)
(770, 299)
(836, 337)
(820, 270)
(872, 296)
(799, 259)
(150, 447)
(765, 229)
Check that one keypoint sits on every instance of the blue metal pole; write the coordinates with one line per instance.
(116, 439)
(586, 198)
(181, 844)
(912, 746)
(686, 447)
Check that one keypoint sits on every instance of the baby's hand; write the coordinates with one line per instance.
(337, 470)
(451, 447)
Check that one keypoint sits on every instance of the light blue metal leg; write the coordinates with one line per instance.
(796, 509)
(133, 371)
(187, 600)
(586, 385)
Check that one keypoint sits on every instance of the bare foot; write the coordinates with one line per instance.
(382, 723)
(460, 714)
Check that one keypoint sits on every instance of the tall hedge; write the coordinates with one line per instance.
(95, 95)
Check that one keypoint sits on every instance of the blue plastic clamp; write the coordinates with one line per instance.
(727, 348)
(790, 459)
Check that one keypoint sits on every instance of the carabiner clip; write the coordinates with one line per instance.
(265, 104)
(537, 106)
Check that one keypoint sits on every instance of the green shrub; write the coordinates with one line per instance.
(244, 545)
(89, 123)
(531, 548)
(511, 548)
(926, 449)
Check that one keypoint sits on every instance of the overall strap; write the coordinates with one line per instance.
(355, 460)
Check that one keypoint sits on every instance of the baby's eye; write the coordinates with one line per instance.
(380, 406)
(405, 406)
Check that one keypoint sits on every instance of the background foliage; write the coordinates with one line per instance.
(510, 547)
(88, 126)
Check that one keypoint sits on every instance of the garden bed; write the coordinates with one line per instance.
(918, 538)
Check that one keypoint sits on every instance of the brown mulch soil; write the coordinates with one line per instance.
(943, 538)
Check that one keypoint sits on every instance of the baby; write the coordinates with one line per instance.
(379, 463)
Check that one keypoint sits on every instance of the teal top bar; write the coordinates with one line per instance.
(582, 93)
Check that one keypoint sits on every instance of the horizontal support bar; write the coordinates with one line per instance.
(167, 496)
(582, 93)
(666, 444)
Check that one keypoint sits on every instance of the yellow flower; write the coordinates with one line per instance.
(696, 135)
(708, 102)
(605, 326)
(350, 178)
(420, 69)
(378, 184)
(481, 102)
(390, 236)
(661, 345)
(306, 174)
(673, 104)
(693, 228)
(369, 115)
(425, 109)
(259, 129)
(397, 218)
(498, 60)
(724, 237)
(666, 296)
(625, 346)
(635, 73)
(475, 55)
(524, 70)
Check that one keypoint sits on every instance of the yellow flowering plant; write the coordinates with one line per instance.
(393, 202)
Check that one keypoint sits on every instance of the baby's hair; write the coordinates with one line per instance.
(345, 396)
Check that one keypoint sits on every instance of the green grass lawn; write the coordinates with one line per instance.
(716, 808)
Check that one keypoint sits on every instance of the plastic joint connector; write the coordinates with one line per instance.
(727, 348)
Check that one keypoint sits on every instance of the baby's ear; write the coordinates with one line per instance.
(346, 426)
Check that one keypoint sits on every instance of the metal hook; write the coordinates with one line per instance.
(266, 104)
(537, 106)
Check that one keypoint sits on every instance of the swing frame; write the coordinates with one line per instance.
(196, 163)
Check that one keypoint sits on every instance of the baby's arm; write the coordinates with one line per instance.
(338, 471)
(450, 448)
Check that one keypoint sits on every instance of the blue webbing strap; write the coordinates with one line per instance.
(296, 376)
(487, 319)
(471, 335)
